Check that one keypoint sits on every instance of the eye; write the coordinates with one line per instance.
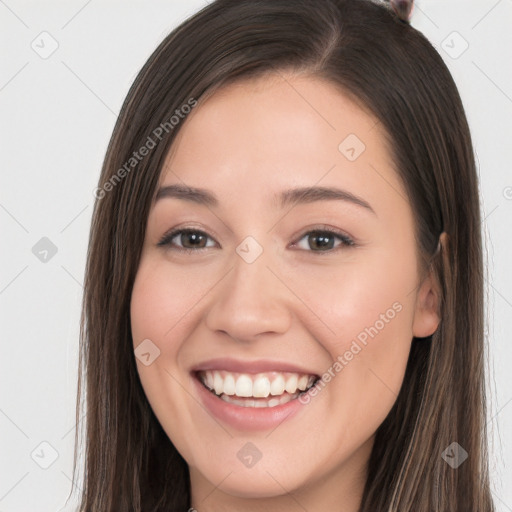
(317, 240)
(189, 240)
(323, 240)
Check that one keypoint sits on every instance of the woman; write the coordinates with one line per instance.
(284, 295)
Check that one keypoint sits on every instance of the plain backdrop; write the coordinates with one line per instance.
(66, 68)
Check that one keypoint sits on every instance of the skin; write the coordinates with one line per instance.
(296, 302)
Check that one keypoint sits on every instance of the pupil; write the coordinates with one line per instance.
(194, 238)
(322, 240)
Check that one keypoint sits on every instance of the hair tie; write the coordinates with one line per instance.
(403, 9)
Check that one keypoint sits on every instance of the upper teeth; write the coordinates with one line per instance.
(259, 385)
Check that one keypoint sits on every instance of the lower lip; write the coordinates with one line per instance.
(247, 418)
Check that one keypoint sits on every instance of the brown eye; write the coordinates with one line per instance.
(185, 239)
(321, 240)
(192, 240)
(318, 240)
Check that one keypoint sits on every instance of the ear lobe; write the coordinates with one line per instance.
(426, 314)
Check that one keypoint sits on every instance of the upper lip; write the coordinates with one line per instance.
(244, 366)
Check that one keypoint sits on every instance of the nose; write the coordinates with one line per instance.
(250, 301)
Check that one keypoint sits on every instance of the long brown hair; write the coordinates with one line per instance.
(390, 69)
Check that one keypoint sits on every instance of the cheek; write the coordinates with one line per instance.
(368, 309)
(159, 305)
(362, 298)
(151, 307)
(161, 300)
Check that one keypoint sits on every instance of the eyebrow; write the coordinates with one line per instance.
(285, 198)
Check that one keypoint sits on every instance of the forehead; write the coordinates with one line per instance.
(279, 130)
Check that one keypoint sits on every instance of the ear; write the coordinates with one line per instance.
(426, 313)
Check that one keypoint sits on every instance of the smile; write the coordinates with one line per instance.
(268, 389)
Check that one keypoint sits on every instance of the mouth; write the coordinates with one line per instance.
(261, 390)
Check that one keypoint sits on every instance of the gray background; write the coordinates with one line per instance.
(57, 115)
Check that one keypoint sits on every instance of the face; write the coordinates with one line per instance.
(294, 266)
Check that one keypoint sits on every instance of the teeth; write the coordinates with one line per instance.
(229, 385)
(210, 380)
(243, 386)
(262, 385)
(302, 383)
(291, 384)
(278, 385)
(218, 383)
(247, 402)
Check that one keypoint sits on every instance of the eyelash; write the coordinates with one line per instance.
(346, 241)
